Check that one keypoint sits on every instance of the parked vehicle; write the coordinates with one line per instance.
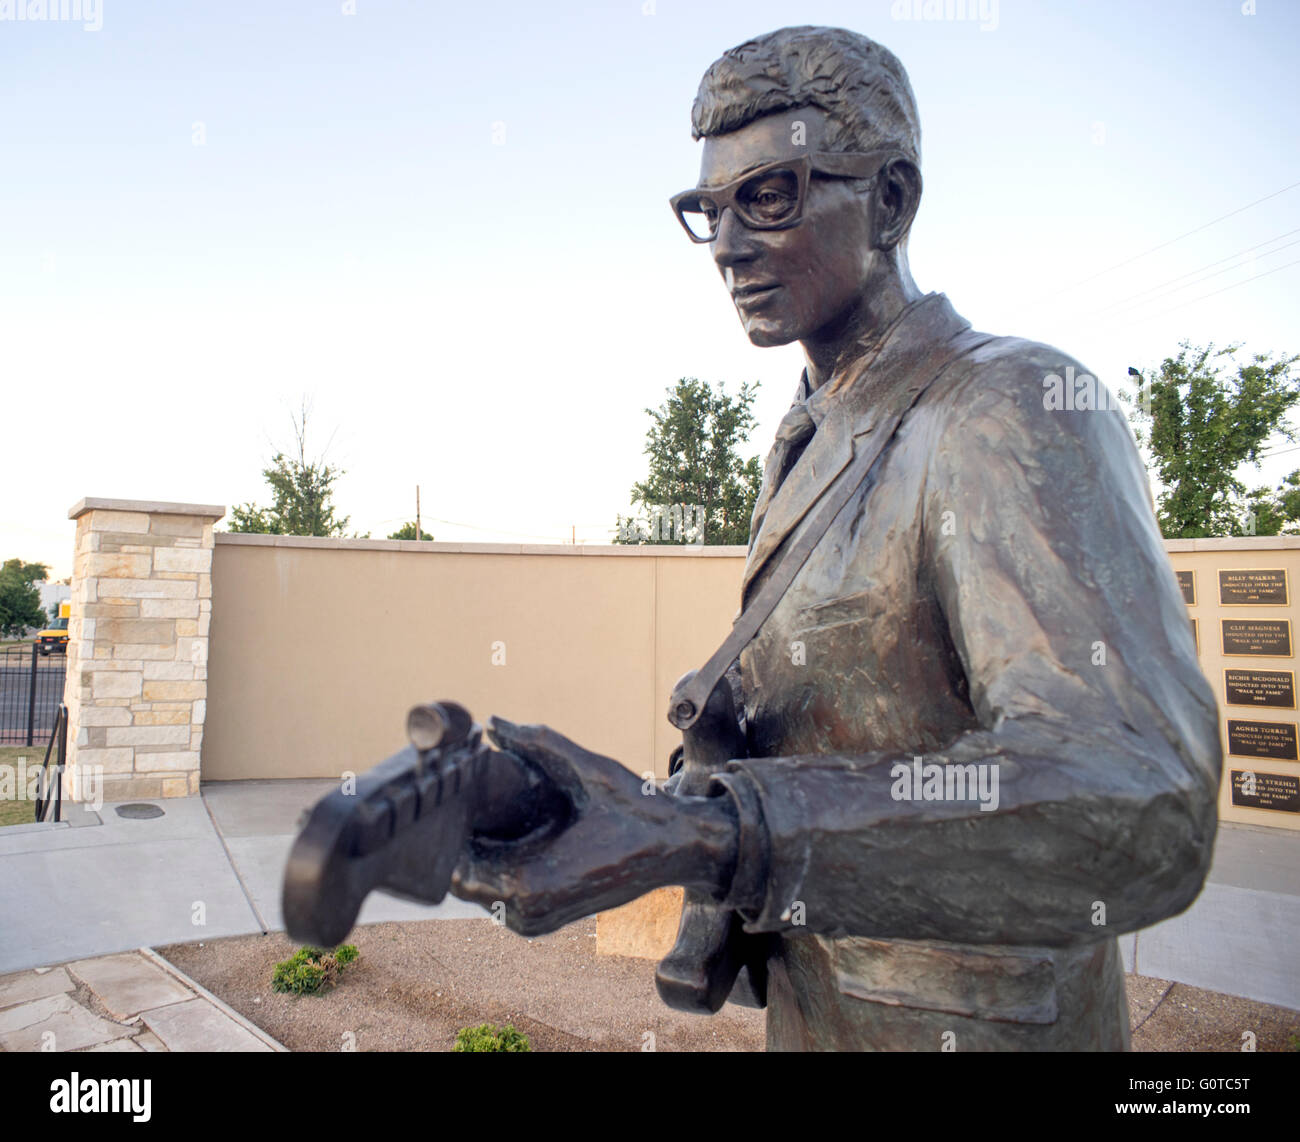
(54, 638)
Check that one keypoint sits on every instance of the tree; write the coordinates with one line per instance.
(698, 489)
(302, 492)
(1274, 511)
(407, 531)
(1200, 424)
(20, 601)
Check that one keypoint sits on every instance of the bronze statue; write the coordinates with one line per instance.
(959, 740)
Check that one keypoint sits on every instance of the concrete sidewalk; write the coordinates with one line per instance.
(131, 1002)
(210, 866)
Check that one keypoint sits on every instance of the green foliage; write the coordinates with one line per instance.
(694, 463)
(20, 601)
(490, 1037)
(407, 531)
(301, 491)
(310, 970)
(1201, 425)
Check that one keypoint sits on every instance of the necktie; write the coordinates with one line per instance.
(792, 436)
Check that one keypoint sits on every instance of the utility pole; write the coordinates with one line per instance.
(418, 533)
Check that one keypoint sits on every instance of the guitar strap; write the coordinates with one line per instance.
(689, 699)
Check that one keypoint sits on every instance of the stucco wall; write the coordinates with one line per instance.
(319, 647)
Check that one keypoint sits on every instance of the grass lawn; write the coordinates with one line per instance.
(17, 811)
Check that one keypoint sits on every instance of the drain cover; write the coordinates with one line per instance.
(139, 811)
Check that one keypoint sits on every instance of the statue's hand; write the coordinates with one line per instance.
(618, 839)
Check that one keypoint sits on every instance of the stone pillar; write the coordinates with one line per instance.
(138, 647)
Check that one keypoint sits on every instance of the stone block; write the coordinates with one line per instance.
(117, 566)
(152, 652)
(117, 589)
(163, 718)
(191, 526)
(133, 789)
(169, 608)
(120, 665)
(153, 762)
(136, 523)
(168, 672)
(193, 650)
(118, 684)
(117, 760)
(205, 587)
(104, 716)
(136, 630)
(111, 610)
(200, 712)
(172, 691)
(147, 735)
(646, 928)
(176, 786)
(187, 628)
(122, 540)
(192, 780)
(194, 559)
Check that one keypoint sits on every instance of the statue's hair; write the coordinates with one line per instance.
(859, 84)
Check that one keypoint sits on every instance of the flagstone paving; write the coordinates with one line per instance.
(127, 1002)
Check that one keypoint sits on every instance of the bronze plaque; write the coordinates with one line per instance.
(1187, 584)
(1274, 688)
(1268, 637)
(1279, 791)
(1273, 740)
(1253, 587)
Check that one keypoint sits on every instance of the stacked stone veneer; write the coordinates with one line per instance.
(138, 647)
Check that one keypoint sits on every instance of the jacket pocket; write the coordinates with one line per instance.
(1001, 984)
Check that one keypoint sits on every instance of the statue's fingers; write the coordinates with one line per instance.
(562, 760)
(552, 753)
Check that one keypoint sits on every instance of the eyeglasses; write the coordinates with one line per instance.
(771, 197)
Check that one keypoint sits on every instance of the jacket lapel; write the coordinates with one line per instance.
(825, 457)
(856, 406)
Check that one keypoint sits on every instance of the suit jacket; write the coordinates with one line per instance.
(995, 594)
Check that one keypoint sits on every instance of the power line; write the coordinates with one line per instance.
(1211, 265)
(1170, 242)
(1215, 293)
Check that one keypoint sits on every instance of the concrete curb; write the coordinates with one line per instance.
(202, 991)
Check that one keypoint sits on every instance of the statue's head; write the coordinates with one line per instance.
(812, 152)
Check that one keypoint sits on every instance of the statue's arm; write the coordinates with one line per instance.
(1083, 675)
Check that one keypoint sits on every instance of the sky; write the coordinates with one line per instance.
(447, 227)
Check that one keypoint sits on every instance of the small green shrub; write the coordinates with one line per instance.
(310, 970)
(490, 1037)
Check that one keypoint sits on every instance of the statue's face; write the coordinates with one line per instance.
(788, 285)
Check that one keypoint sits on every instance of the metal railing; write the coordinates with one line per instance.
(31, 688)
(59, 737)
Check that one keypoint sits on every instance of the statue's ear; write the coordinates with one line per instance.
(898, 194)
